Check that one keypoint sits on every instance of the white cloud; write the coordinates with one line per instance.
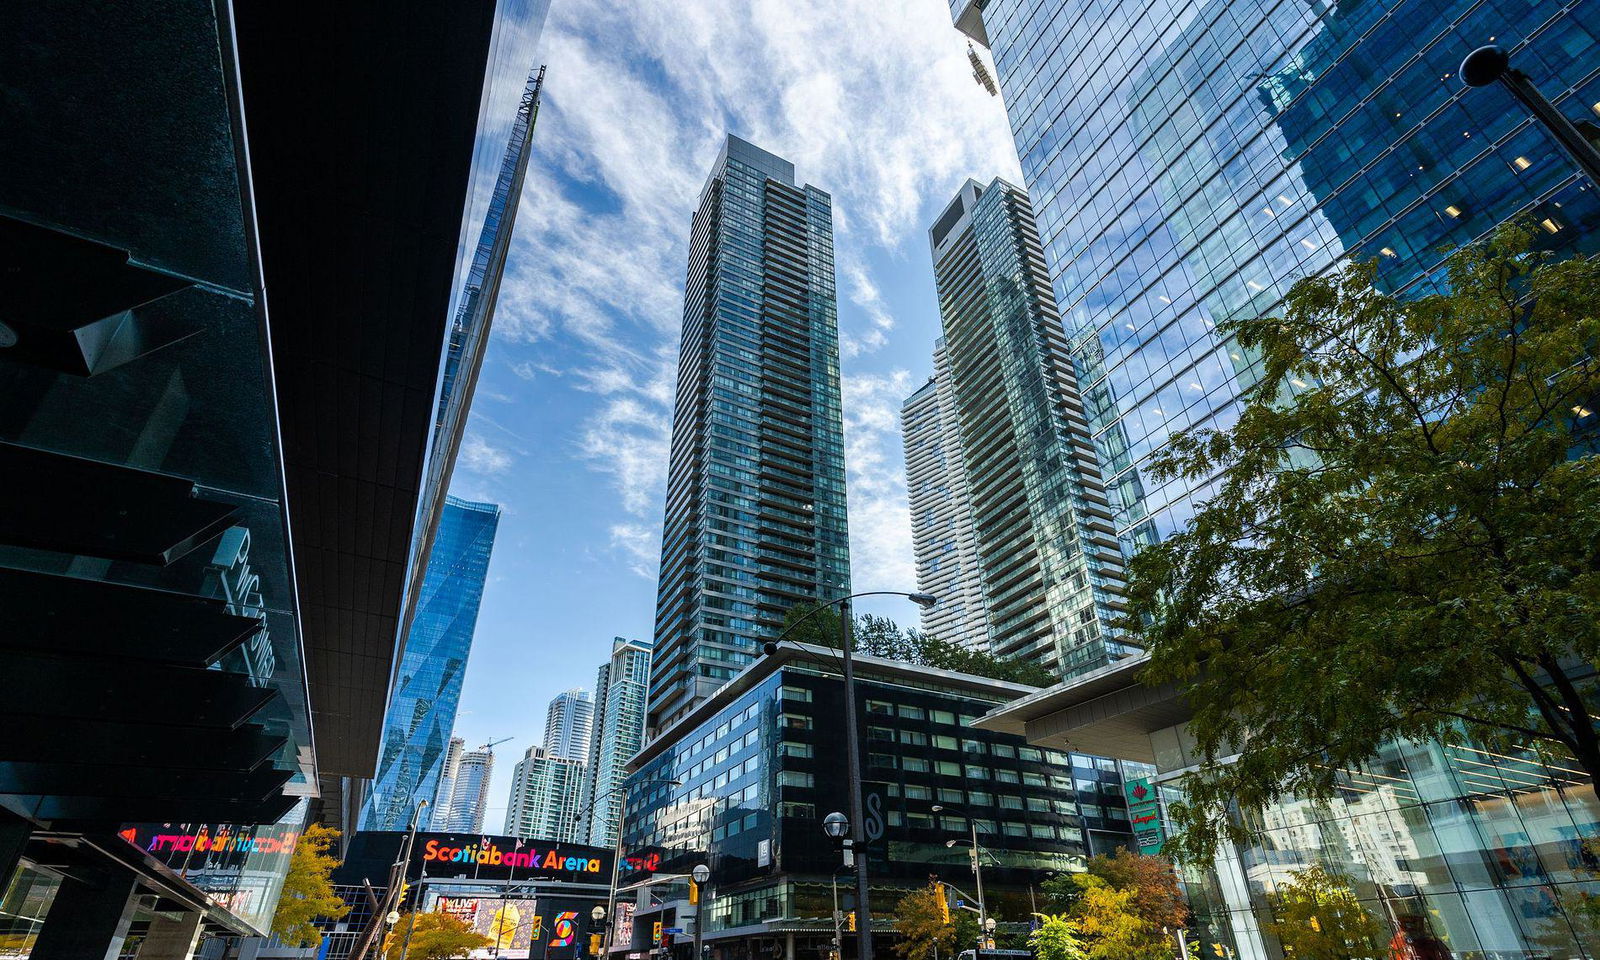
(478, 456)
(872, 100)
(641, 544)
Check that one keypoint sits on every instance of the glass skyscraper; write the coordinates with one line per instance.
(944, 535)
(619, 702)
(1188, 160)
(755, 514)
(422, 709)
(1048, 557)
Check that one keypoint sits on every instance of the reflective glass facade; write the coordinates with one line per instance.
(1469, 853)
(619, 701)
(1048, 556)
(944, 536)
(1188, 160)
(422, 708)
(755, 513)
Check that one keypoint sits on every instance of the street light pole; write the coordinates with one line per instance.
(858, 826)
(616, 857)
(858, 820)
(977, 870)
(405, 859)
(1486, 65)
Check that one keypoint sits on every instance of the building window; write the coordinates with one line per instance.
(794, 778)
(1033, 779)
(912, 713)
(945, 743)
(1004, 750)
(1042, 831)
(914, 738)
(882, 760)
(800, 811)
(980, 798)
(1010, 803)
(880, 708)
(793, 721)
(791, 749)
(1005, 776)
(947, 768)
(944, 716)
(916, 792)
(795, 693)
(1011, 829)
(947, 795)
(914, 764)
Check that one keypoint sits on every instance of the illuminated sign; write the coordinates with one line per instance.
(566, 930)
(489, 853)
(649, 863)
(224, 840)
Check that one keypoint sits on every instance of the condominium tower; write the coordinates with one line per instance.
(545, 797)
(1047, 551)
(427, 687)
(568, 722)
(755, 513)
(944, 536)
(619, 705)
(464, 809)
(1190, 160)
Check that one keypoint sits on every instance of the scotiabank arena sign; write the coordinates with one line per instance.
(507, 858)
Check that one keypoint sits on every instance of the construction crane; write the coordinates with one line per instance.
(489, 747)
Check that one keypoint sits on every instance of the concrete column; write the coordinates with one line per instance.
(788, 946)
(89, 919)
(171, 939)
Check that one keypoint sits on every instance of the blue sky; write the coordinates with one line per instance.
(873, 100)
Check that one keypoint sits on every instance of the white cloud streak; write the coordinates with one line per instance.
(873, 102)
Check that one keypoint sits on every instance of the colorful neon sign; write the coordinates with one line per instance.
(225, 840)
(565, 929)
(487, 853)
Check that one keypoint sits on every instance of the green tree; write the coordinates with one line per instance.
(307, 892)
(924, 932)
(436, 936)
(821, 628)
(1056, 938)
(1403, 536)
(1111, 927)
(1319, 918)
(1157, 899)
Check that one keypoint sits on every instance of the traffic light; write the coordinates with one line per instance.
(594, 944)
(850, 921)
(405, 887)
(943, 901)
(694, 893)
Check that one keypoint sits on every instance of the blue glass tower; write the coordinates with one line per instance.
(422, 709)
(1188, 160)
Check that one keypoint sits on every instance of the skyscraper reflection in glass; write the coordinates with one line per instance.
(1189, 160)
(422, 706)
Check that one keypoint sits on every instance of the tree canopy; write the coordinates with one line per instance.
(1402, 536)
(434, 936)
(1127, 906)
(924, 932)
(881, 637)
(1056, 938)
(307, 891)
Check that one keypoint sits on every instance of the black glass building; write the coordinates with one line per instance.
(761, 763)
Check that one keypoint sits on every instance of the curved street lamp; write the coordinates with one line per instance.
(984, 921)
(857, 824)
(1489, 64)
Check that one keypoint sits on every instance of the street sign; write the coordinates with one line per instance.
(673, 930)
